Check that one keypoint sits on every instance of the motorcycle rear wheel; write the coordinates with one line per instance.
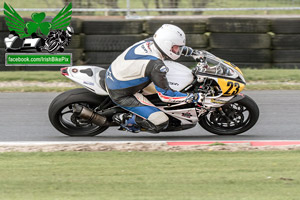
(61, 113)
(234, 118)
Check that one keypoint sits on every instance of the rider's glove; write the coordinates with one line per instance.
(195, 98)
(186, 51)
(199, 56)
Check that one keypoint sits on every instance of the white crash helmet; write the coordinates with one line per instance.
(166, 37)
(69, 31)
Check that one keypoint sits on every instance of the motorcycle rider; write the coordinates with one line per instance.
(61, 35)
(136, 68)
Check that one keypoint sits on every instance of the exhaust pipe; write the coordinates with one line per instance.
(89, 115)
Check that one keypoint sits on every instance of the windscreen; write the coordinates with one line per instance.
(219, 67)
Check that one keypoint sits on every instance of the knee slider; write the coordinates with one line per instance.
(151, 127)
(162, 126)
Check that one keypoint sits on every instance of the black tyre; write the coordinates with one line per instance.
(239, 117)
(108, 27)
(196, 40)
(76, 41)
(286, 41)
(2, 58)
(110, 42)
(285, 25)
(193, 26)
(244, 55)
(3, 26)
(2, 36)
(61, 114)
(286, 56)
(238, 25)
(101, 57)
(77, 25)
(77, 54)
(240, 40)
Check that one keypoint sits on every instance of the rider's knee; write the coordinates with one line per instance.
(160, 120)
(161, 127)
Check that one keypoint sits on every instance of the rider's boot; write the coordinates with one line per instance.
(126, 121)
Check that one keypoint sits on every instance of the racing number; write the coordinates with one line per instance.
(230, 84)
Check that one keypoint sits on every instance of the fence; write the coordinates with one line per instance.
(159, 7)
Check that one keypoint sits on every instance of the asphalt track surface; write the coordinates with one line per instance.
(24, 118)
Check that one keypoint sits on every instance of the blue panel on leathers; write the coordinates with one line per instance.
(114, 84)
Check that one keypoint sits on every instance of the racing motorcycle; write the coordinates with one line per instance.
(225, 110)
(56, 41)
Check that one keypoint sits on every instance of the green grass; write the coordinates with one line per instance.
(150, 175)
(272, 86)
(35, 89)
(272, 79)
(269, 75)
(43, 76)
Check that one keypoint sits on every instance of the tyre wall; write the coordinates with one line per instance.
(286, 42)
(106, 39)
(255, 42)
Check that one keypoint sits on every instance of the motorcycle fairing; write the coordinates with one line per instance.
(186, 116)
(79, 75)
(179, 76)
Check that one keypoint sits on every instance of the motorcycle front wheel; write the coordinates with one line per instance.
(64, 120)
(232, 119)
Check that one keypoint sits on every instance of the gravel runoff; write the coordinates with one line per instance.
(134, 146)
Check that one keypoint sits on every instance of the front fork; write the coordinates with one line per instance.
(203, 111)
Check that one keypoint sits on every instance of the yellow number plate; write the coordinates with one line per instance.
(230, 87)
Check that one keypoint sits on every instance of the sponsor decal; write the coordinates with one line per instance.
(187, 115)
(164, 69)
(144, 48)
(219, 101)
(88, 83)
(109, 75)
(172, 83)
(38, 42)
(148, 46)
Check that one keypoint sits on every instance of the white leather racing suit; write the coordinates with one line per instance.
(135, 69)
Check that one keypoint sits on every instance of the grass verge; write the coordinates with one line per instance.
(43, 76)
(150, 175)
(35, 89)
(272, 75)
